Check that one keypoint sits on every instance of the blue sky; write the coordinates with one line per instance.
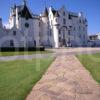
(91, 9)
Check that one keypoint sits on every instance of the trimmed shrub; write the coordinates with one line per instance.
(13, 49)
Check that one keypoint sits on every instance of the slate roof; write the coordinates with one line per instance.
(55, 13)
(45, 12)
(24, 12)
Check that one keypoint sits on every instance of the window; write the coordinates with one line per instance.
(26, 25)
(39, 24)
(83, 22)
(27, 18)
(79, 28)
(69, 17)
(63, 31)
(59, 39)
(64, 13)
(59, 32)
(70, 27)
(79, 21)
(79, 35)
(83, 28)
(64, 21)
(84, 36)
(74, 29)
(68, 32)
(50, 32)
(11, 43)
(14, 33)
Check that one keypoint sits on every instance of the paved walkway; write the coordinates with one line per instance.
(25, 57)
(57, 52)
(66, 79)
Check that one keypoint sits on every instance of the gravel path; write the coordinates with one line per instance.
(66, 79)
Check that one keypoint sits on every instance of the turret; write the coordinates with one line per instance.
(12, 19)
(56, 35)
(45, 26)
(56, 28)
(17, 18)
(14, 16)
(54, 22)
(1, 23)
(45, 15)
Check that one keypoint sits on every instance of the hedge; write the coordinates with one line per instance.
(13, 49)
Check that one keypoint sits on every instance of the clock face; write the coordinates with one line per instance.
(26, 25)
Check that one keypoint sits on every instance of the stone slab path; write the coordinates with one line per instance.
(66, 79)
(25, 57)
(56, 52)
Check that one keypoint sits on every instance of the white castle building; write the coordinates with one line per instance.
(52, 28)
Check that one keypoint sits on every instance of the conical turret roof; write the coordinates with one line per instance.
(45, 12)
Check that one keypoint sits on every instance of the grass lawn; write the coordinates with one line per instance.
(18, 77)
(24, 53)
(92, 63)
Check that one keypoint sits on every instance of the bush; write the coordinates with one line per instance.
(13, 49)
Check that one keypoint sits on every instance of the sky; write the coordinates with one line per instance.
(90, 8)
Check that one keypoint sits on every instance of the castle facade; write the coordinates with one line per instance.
(52, 28)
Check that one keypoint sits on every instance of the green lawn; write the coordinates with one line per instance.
(24, 53)
(18, 77)
(92, 63)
